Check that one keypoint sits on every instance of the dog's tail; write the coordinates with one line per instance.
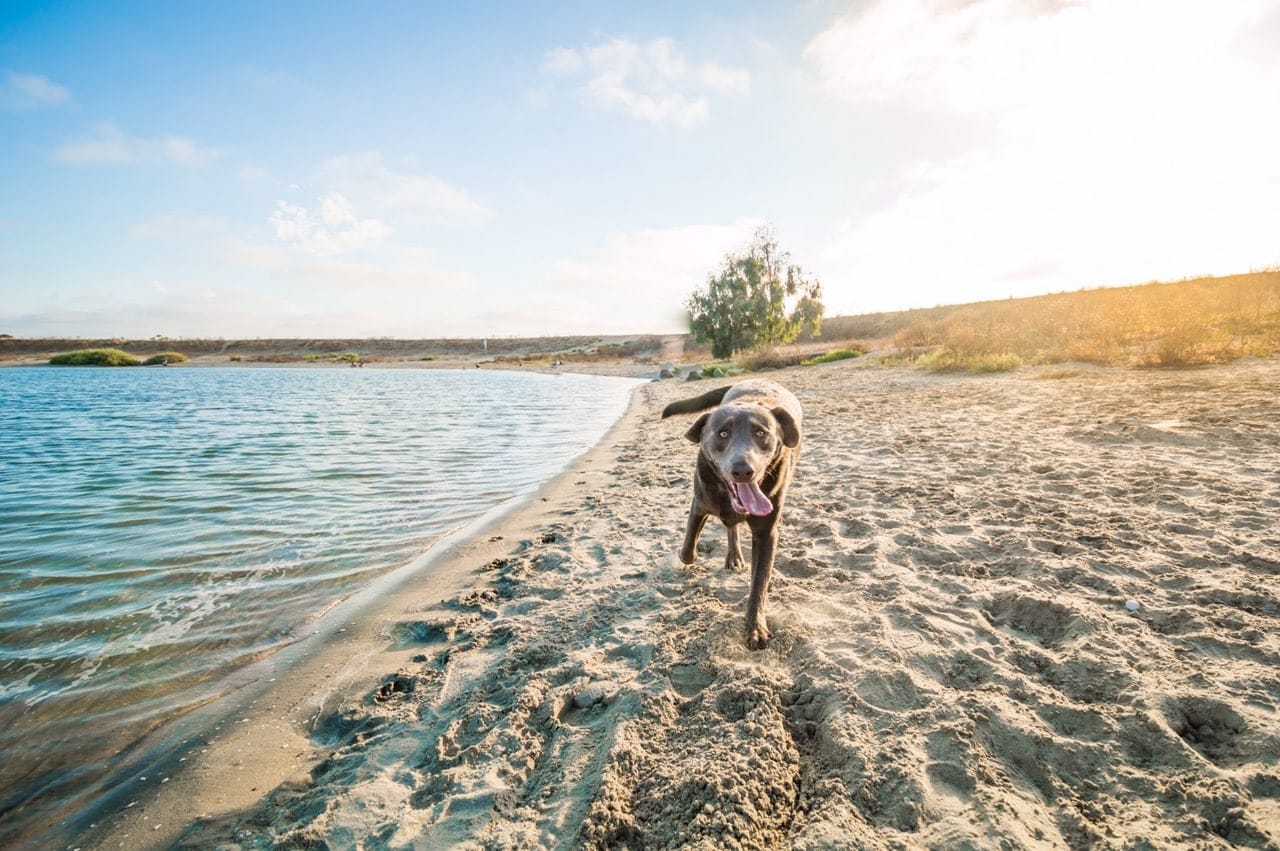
(687, 406)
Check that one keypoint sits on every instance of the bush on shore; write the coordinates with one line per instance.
(160, 358)
(95, 357)
(832, 356)
(770, 358)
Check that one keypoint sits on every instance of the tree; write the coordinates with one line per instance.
(758, 299)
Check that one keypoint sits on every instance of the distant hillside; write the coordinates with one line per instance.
(1190, 322)
(1195, 321)
(291, 350)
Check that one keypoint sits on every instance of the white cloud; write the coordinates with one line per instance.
(332, 229)
(718, 78)
(423, 197)
(185, 152)
(966, 57)
(649, 81)
(109, 145)
(342, 241)
(563, 60)
(1111, 143)
(636, 282)
(30, 91)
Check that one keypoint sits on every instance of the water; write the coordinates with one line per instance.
(160, 528)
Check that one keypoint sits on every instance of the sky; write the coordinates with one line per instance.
(418, 169)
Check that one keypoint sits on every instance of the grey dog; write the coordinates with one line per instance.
(748, 446)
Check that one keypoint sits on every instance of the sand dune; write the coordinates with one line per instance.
(953, 666)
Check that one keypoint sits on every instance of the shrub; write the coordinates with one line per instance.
(95, 357)
(165, 357)
(770, 359)
(942, 359)
(947, 359)
(759, 298)
(1000, 362)
(925, 332)
(830, 357)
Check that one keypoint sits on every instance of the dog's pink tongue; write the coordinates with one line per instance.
(752, 498)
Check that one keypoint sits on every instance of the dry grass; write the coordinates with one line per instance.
(834, 355)
(1183, 324)
(771, 358)
(1189, 323)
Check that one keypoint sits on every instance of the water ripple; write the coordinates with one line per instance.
(160, 528)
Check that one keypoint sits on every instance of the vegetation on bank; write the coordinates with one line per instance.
(114, 357)
(345, 357)
(832, 356)
(1182, 324)
(758, 298)
(165, 358)
(95, 357)
(1189, 323)
(641, 349)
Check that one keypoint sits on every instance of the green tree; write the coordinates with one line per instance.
(757, 299)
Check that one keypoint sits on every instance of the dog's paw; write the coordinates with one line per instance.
(735, 564)
(688, 557)
(758, 636)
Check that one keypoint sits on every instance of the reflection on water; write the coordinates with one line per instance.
(160, 528)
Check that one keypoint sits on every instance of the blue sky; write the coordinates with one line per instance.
(419, 170)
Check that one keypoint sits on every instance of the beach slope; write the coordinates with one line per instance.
(953, 664)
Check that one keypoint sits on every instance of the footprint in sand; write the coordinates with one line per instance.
(689, 680)
(1052, 623)
(891, 692)
(1210, 726)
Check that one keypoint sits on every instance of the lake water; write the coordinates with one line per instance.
(161, 528)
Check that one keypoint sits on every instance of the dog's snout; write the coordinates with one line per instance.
(741, 471)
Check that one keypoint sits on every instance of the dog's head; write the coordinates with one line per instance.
(742, 439)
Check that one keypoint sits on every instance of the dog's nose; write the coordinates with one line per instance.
(742, 471)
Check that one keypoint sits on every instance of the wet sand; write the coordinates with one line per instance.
(953, 664)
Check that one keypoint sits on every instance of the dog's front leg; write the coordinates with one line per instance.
(697, 519)
(763, 543)
(733, 558)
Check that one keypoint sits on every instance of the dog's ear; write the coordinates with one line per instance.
(694, 434)
(790, 431)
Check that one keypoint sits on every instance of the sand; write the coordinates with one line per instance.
(953, 663)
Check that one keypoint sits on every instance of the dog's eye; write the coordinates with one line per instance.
(724, 433)
(759, 432)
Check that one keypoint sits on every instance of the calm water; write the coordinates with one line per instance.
(160, 528)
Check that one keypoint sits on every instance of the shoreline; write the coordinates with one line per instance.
(256, 740)
(954, 659)
(602, 368)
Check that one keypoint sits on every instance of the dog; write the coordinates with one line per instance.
(749, 442)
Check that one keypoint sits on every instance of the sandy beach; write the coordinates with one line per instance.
(1034, 610)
